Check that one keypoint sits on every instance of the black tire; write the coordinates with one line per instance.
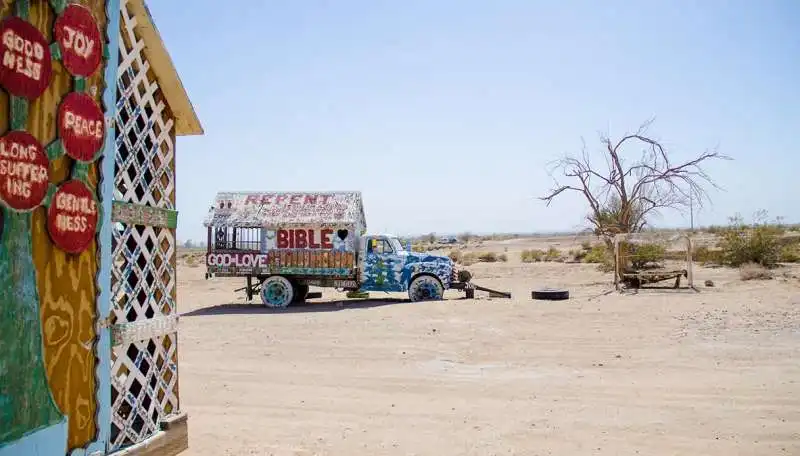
(550, 294)
(464, 276)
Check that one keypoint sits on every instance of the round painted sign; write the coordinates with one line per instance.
(81, 126)
(24, 171)
(26, 62)
(79, 39)
(72, 217)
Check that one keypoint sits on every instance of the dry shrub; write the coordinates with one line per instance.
(469, 259)
(455, 255)
(531, 256)
(553, 254)
(419, 248)
(790, 250)
(789, 254)
(754, 271)
(704, 256)
(502, 257)
(488, 257)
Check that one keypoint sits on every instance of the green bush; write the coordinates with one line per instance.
(597, 254)
(742, 245)
(789, 254)
(640, 256)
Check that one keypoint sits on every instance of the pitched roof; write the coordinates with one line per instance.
(186, 120)
(257, 209)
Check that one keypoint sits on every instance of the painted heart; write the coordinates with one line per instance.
(342, 234)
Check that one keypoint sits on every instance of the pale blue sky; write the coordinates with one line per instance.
(444, 113)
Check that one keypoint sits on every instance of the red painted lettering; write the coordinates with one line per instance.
(265, 199)
(279, 199)
(283, 239)
(252, 199)
(311, 199)
(300, 241)
(325, 198)
(295, 199)
(304, 239)
(311, 243)
(326, 238)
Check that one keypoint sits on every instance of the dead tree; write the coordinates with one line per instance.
(623, 194)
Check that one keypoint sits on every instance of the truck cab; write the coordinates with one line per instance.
(385, 265)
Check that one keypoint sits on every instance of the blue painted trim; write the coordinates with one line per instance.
(106, 184)
(50, 440)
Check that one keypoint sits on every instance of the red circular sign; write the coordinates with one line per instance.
(81, 126)
(72, 217)
(79, 39)
(25, 62)
(24, 171)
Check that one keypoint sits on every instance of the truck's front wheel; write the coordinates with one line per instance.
(425, 288)
(276, 292)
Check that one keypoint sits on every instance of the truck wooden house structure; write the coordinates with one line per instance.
(90, 107)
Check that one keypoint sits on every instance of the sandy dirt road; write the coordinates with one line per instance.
(658, 373)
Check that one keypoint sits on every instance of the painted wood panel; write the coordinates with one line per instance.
(65, 284)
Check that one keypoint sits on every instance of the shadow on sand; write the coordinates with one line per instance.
(256, 307)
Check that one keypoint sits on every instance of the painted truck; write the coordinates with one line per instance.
(282, 243)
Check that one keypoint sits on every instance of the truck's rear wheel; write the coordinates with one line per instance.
(276, 292)
(425, 288)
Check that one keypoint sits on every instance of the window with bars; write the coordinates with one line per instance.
(230, 238)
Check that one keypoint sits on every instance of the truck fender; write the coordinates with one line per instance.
(429, 274)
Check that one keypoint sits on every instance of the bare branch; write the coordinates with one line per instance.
(623, 196)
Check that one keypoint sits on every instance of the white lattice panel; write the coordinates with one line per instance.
(145, 150)
(142, 388)
(143, 276)
(144, 371)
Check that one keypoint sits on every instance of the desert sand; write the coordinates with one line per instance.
(659, 372)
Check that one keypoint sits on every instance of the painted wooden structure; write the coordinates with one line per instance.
(61, 186)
